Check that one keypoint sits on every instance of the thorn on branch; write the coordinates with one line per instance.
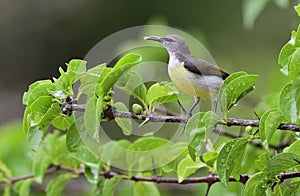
(257, 116)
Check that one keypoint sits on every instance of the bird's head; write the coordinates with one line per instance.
(173, 43)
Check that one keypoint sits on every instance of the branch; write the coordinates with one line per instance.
(48, 171)
(259, 145)
(284, 176)
(211, 179)
(255, 123)
(111, 113)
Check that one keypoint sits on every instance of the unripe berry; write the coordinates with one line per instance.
(107, 98)
(137, 108)
(248, 130)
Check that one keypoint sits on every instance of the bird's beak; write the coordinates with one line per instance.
(154, 38)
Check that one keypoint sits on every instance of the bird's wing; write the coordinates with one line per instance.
(201, 67)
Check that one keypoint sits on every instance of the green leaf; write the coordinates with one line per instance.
(33, 115)
(73, 139)
(53, 112)
(132, 84)
(232, 77)
(295, 38)
(175, 151)
(289, 56)
(269, 123)
(110, 76)
(148, 143)
(162, 92)
(124, 123)
(90, 79)
(104, 74)
(285, 54)
(280, 163)
(210, 157)
(46, 155)
(38, 108)
(98, 107)
(289, 102)
(91, 120)
(63, 122)
(294, 64)
(6, 191)
(85, 156)
(65, 83)
(195, 145)
(145, 151)
(198, 129)
(77, 66)
(188, 166)
(34, 137)
(297, 8)
(279, 189)
(5, 170)
(234, 88)
(251, 10)
(230, 159)
(91, 174)
(59, 152)
(100, 186)
(114, 153)
(124, 64)
(58, 94)
(262, 160)
(26, 120)
(293, 189)
(110, 185)
(192, 126)
(145, 189)
(57, 185)
(53, 151)
(36, 90)
(22, 187)
(75, 69)
(255, 182)
(293, 148)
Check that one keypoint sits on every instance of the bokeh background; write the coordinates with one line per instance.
(36, 37)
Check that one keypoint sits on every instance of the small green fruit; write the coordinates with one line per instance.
(248, 130)
(107, 98)
(137, 108)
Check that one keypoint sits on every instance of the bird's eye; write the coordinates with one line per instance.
(168, 39)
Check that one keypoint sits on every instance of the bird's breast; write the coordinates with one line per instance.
(192, 83)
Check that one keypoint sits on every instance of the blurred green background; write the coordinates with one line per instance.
(36, 37)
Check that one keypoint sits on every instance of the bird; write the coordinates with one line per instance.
(194, 76)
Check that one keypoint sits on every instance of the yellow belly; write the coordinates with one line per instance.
(189, 82)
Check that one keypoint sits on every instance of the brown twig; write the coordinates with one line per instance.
(228, 134)
(182, 119)
(109, 174)
(48, 171)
